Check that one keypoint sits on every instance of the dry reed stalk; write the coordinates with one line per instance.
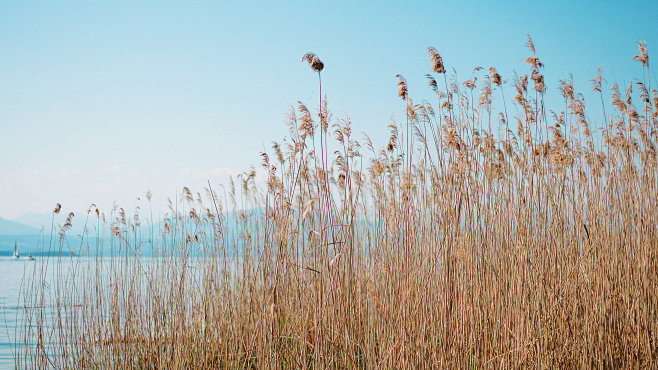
(535, 250)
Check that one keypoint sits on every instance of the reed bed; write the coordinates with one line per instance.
(485, 233)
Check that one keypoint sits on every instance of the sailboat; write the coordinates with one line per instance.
(15, 256)
(28, 258)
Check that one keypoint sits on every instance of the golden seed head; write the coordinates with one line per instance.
(313, 61)
(436, 60)
(402, 87)
(495, 77)
(643, 55)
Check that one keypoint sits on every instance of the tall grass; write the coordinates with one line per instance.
(468, 240)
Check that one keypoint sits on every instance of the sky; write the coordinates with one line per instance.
(101, 101)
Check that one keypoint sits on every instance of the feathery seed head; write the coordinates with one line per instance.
(530, 44)
(643, 55)
(431, 82)
(436, 60)
(495, 77)
(402, 87)
(596, 81)
(313, 61)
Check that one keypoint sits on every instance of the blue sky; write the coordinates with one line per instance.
(100, 101)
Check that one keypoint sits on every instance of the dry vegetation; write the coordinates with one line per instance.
(471, 239)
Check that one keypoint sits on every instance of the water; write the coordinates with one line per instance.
(16, 280)
(12, 273)
(17, 276)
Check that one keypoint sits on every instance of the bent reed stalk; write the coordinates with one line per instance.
(533, 248)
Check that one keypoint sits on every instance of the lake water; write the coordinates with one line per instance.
(16, 277)
(12, 273)
(15, 284)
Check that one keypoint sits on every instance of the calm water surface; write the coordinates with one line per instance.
(16, 277)
(12, 273)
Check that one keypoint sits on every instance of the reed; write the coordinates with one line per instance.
(452, 246)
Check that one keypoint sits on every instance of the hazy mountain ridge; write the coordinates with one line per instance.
(45, 221)
(38, 234)
(9, 227)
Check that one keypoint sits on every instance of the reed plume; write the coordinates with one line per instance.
(451, 245)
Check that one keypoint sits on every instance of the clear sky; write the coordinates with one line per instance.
(101, 101)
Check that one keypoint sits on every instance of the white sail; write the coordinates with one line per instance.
(15, 256)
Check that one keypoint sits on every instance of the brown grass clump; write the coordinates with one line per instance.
(536, 247)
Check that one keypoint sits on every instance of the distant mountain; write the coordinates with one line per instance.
(8, 227)
(143, 240)
(35, 223)
(36, 220)
(46, 221)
